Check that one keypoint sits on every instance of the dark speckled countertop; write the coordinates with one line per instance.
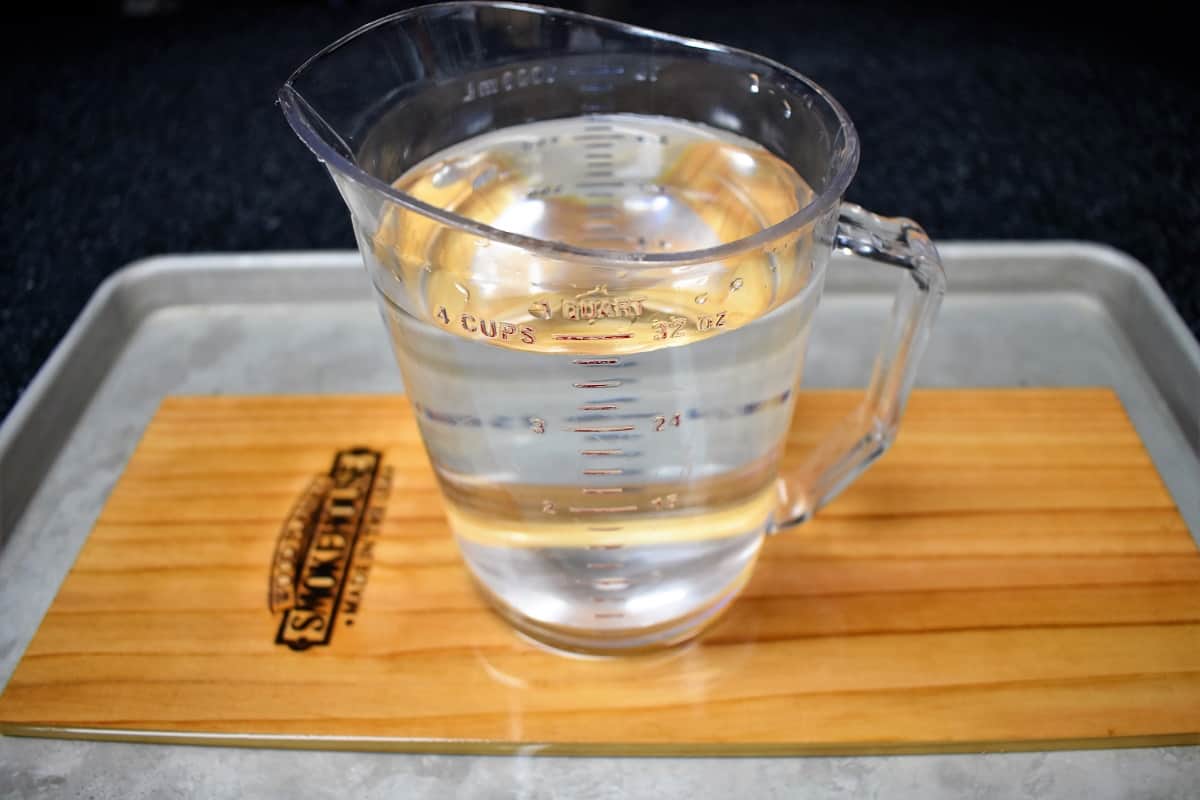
(134, 137)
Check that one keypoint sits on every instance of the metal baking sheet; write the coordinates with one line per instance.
(1053, 314)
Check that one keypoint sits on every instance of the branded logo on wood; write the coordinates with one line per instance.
(324, 552)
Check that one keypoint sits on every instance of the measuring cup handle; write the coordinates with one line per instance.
(864, 435)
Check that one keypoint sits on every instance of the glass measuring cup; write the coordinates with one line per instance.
(598, 250)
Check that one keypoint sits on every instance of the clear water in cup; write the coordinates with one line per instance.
(608, 456)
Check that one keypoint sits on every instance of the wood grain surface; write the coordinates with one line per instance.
(1012, 575)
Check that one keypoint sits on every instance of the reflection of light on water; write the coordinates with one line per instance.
(743, 161)
(640, 204)
(503, 678)
(521, 217)
(522, 765)
(654, 663)
(540, 605)
(652, 600)
(724, 119)
(689, 664)
(529, 679)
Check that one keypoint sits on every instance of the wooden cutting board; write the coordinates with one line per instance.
(1012, 575)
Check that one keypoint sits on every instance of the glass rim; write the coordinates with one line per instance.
(845, 161)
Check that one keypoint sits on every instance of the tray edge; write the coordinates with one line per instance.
(377, 744)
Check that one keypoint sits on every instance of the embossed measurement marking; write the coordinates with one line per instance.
(593, 427)
(602, 509)
(590, 337)
(600, 489)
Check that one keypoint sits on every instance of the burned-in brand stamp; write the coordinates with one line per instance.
(324, 551)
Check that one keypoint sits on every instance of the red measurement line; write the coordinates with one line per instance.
(604, 472)
(603, 510)
(598, 385)
(583, 337)
(601, 452)
(596, 362)
(605, 429)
